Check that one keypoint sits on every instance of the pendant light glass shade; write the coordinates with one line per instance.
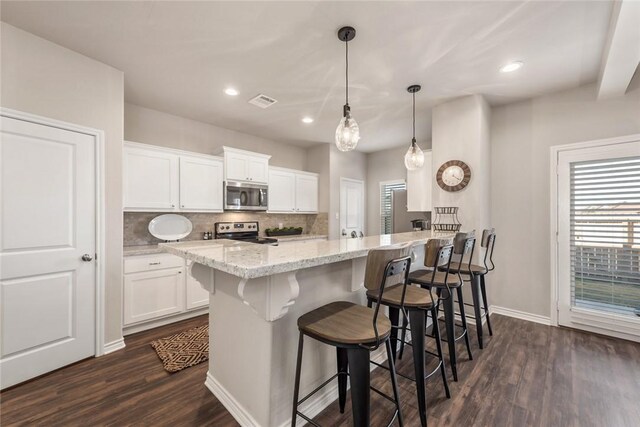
(347, 133)
(414, 158)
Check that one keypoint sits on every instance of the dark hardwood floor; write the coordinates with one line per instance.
(527, 375)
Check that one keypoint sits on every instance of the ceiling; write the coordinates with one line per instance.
(178, 57)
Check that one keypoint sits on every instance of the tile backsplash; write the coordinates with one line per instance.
(136, 223)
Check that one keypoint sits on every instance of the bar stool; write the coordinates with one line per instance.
(476, 275)
(417, 302)
(356, 331)
(463, 245)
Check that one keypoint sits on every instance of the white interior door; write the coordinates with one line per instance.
(599, 238)
(47, 295)
(351, 208)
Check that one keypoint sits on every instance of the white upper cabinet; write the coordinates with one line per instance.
(306, 193)
(420, 186)
(150, 180)
(258, 169)
(201, 184)
(161, 179)
(292, 191)
(282, 191)
(245, 166)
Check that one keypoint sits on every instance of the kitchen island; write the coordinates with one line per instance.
(257, 294)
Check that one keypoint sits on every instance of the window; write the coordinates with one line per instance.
(386, 189)
(605, 235)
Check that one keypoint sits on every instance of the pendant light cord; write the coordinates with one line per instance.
(346, 76)
(414, 116)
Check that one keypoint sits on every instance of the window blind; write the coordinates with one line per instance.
(386, 189)
(605, 235)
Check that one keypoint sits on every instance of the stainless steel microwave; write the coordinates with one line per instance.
(243, 196)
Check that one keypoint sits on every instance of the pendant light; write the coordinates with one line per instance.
(414, 159)
(347, 133)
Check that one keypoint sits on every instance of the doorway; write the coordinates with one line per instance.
(597, 253)
(351, 208)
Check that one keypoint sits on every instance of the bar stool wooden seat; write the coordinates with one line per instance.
(356, 331)
(344, 322)
(414, 303)
(445, 282)
(476, 274)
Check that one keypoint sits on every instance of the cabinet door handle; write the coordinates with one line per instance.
(173, 206)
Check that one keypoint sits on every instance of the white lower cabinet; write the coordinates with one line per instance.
(158, 288)
(153, 294)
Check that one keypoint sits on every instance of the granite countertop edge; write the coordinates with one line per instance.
(249, 272)
(155, 249)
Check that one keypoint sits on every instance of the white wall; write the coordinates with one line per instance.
(158, 128)
(461, 132)
(386, 165)
(521, 135)
(42, 78)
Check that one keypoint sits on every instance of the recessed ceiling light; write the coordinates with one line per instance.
(511, 66)
(231, 91)
(307, 120)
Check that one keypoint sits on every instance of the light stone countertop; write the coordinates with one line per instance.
(142, 250)
(155, 249)
(293, 238)
(249, 260)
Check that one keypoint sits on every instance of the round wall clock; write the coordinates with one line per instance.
(453, 175)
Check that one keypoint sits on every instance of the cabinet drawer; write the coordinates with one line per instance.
(136, 264)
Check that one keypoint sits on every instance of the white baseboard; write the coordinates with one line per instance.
(112, 346)
(238, 412)
(536, 318)
(133, 329)
(311, 408)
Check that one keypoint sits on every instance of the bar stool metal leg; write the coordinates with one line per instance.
(486, 304)
(451, 336)
(394, 381)
(436, 332)
(358, 359)
(475, 292)
(296, 389)
(403, 336)
(417, 318)
(463, 317)
(394, 316)
(342, 361)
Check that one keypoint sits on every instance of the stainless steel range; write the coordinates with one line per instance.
(243, 231)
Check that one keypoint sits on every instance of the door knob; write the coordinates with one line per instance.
(344, 232)
(87, 258)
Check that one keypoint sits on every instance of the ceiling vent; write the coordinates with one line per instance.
(262, 101)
